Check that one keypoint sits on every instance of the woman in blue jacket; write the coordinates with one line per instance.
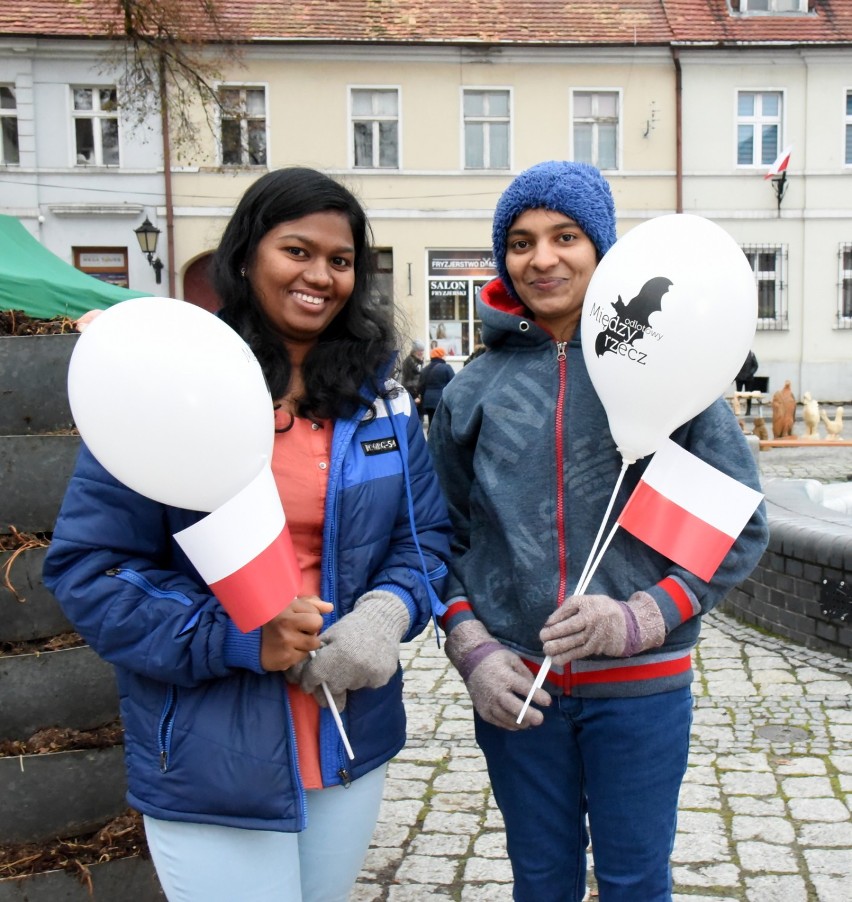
(232, 758)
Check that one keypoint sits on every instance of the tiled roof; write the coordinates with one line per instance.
(830, 22)
(512, 22)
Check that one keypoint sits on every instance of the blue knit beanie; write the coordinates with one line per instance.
(576, 189)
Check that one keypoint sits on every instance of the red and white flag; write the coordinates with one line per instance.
(244, 552)
(687, 510)
(781, 163)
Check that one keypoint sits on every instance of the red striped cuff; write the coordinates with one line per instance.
(684, 605)
(458, 610)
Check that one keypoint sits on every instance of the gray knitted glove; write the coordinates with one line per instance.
(585, 625)
(360, 650)
(497, 680)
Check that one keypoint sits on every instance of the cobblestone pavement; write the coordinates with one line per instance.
(765, 807)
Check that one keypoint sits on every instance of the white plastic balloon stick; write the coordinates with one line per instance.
(336, 715)
(589, 569)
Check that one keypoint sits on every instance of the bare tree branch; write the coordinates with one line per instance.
(184, 43)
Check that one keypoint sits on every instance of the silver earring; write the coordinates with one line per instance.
(243, 272)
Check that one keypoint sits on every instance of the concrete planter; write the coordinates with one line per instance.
(37, 451)
(34, 473)
(60, 793)
(67, 688)
(30, 612)
(128, 879)
(71, 688)
(33, 383)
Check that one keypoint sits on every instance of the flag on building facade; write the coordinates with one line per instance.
(781, 163)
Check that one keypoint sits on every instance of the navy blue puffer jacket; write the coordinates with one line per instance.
(208, 734)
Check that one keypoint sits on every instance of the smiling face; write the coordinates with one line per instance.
(550, 261)
(303, 274)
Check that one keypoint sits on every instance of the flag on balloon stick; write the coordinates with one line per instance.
(688, 510)
(682, 507)
(244, 552)
(781, 163)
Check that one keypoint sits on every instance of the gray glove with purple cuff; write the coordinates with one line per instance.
(360, 650)
(496, 678)
(585, 625)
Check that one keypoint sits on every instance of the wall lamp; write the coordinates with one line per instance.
(147, 236)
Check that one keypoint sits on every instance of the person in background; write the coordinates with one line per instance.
(478, 351)
(745, 376)
(240, 773)
(524, 453)
(411, 367)
(433, 379)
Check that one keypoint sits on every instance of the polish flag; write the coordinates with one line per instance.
(781, 163)
(244, 552)
(687, 510)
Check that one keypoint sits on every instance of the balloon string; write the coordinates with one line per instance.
(589, 569)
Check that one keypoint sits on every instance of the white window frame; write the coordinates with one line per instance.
(757, 121)
(375, 119)
(10, 113)
(595, 120)
(847, 127)
(844, 286)
(487, 120)
(97, 115)
(244, 119)
(774, 7)
(777, 276)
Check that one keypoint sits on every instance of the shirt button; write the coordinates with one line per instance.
(323, 465)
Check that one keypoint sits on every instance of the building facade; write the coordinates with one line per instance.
(77, 172)
(427, 111)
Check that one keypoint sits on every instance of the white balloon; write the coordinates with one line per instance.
(669, 316)
(171, 402)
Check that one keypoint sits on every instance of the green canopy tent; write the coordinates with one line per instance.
(36, 281)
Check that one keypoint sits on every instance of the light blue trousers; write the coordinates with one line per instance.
(209, 863)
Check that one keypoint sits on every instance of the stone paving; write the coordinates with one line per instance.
(765, 807)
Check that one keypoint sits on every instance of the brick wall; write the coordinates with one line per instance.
(802, 587)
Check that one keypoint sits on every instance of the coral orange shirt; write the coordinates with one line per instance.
(300, 462)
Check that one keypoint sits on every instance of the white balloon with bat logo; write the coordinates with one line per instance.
(669, 316)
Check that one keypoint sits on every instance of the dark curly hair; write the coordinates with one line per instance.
(358, 344)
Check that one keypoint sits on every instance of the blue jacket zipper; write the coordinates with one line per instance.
(164, 730)
(562, 361)
(329, 550)
(136, 579)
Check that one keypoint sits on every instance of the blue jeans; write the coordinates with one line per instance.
(620, 761)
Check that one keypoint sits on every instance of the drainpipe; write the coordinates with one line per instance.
(803, 55)
(678, 130)
(167, 180)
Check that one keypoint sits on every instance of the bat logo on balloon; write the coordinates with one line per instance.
(631, 321)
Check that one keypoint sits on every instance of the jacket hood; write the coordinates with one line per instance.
(505, 320)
